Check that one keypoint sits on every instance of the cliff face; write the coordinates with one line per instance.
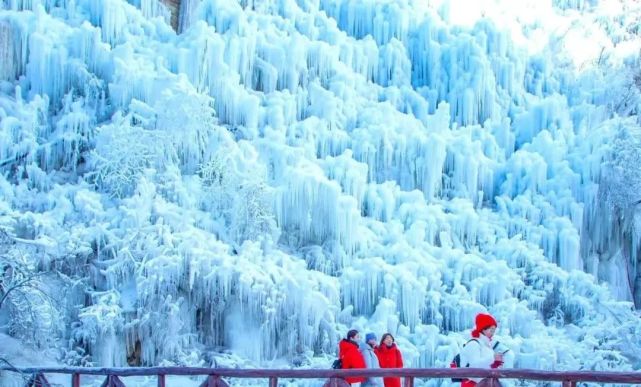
(174, 7)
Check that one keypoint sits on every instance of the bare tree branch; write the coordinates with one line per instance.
(14, 288)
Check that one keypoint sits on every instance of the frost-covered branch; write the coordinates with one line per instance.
(25, 291)
(621, 178)
(7, 289)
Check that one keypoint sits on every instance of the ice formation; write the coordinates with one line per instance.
(280, 171)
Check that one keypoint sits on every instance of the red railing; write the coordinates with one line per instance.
(334, 377)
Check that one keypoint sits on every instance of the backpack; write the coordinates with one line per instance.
(337, 364)
(456, 362)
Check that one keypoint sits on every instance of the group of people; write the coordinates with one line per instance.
(480, 351)
(354, 353)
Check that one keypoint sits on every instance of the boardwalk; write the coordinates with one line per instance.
(216, 377)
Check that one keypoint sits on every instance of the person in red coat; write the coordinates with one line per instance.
(389, 356)
(351, 356)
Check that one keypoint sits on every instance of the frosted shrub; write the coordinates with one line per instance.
(241, 198)
(188, 120)
(99, 329)
(123, 151)
(251, 215)
(24, 294)
(621, 181)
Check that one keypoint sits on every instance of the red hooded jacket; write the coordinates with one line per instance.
(351, 357)
(390, 357)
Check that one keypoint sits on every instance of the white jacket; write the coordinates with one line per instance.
(371, 361)
(477, 353)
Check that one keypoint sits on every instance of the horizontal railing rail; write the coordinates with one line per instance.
(568, 378)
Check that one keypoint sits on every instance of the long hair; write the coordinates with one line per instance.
(385, 336)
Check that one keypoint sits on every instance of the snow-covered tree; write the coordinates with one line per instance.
(251, 214)
(241, 198)
(621, 176)
(124, 149)
(188, 119)
(28, 309)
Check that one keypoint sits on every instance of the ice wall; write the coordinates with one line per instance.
(283, 171)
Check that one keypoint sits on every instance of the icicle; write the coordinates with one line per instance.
(48, 69)
(315, 208)
(224, 16)
(394, 65)
(29, 5)
(110, 17)
(351, 175)
(9, 63)
(188, 10)
(152, 8)
(74, 131)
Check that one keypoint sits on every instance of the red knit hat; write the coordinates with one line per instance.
(483, 321)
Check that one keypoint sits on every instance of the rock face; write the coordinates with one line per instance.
(174, 7)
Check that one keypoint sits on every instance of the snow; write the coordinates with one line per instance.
(23, 356)
(244, 190)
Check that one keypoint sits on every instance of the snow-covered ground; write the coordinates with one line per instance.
(244, 192)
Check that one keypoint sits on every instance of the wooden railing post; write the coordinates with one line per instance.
(161, 380)
(214, 381)
(336, 382)
(273, 382)
(75, 380)
(112, 381)
(489, 382)
(569, 383)
(409, 381)
(38, 380)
